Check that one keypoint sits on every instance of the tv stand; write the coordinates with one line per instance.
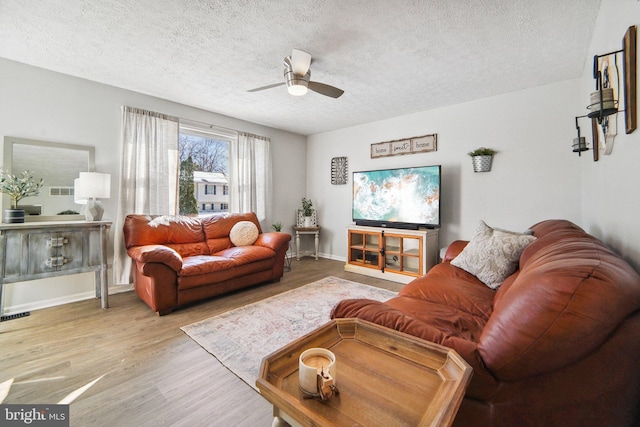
(394, 254)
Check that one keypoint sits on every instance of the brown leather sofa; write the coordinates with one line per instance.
(558, 344)
(180, 260)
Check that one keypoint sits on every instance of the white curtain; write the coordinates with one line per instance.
(250, 175)
(148, 175)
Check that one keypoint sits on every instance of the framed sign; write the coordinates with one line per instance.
(382, 149)
(416, 144)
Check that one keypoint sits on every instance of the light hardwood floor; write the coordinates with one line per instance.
(153, 373)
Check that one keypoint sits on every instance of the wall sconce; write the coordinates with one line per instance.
(579, 143)
(603, 102)
(89, 187)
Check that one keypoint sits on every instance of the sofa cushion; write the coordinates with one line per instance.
(239, 273)
(246, 254)
(452, 287)
(219, 226)
(202, 264)
(243, 233)
(492, 254)
(181, 233)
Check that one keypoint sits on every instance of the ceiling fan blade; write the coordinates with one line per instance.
(325, 89)
(300, 62)
(266, 87)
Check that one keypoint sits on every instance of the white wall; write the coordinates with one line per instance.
(535, 175)
(611, 186)
(40, 104)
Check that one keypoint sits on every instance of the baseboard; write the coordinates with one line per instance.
(66, 299)
(38, 305)
(320, 255)
(118, 289)
(333, 257)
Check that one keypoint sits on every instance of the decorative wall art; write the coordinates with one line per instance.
(416, 144)
(630, 77)
(339, 170)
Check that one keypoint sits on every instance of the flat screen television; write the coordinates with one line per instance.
(397, 198)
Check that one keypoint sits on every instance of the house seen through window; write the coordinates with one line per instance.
(203, 181)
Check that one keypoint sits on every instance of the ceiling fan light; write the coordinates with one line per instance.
(297, 90)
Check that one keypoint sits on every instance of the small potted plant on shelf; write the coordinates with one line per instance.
(17, 188)
(307, 212)
(277, 227)
(482, 158)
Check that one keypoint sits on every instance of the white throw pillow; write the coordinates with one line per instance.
(492, 254)
(244, 233)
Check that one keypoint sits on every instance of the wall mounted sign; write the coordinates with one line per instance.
(339, 170)
(416, 144)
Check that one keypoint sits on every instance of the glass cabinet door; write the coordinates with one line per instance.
(402, 254)
(364, 249)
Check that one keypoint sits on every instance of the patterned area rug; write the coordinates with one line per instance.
(240, 338)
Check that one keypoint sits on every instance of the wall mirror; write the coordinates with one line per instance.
(58, 164)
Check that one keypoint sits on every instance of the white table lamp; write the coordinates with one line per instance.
(89, 187)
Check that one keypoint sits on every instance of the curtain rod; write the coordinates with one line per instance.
(211, 126)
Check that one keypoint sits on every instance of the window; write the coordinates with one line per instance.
(204, 161)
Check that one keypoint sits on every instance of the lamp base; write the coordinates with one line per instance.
(93, 210)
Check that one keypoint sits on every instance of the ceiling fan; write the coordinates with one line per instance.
(297, 74)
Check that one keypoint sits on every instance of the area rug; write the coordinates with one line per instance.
(240, 338)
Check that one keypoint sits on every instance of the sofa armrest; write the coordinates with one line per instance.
(273, 240)
(157, 253)
(454, 249)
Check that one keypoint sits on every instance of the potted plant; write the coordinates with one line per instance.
(482, 158)
(307, 211)
(17, 188)
(277, 227)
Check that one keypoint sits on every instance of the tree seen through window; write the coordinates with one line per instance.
(203, 167)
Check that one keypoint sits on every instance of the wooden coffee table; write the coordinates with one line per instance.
(385, 378)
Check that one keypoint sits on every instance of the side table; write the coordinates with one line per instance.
(307, 230)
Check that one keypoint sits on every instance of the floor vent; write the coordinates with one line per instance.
(14, 316)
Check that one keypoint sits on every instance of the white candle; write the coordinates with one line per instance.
(312, 362)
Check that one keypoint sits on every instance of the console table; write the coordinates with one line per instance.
(390, 253)
(37, 250)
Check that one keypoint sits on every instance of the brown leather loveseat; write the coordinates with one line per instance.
(180, 260)
(558, 344)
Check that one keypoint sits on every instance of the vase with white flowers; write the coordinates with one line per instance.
(17, 187)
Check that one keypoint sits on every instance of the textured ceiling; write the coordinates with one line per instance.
(391, 57)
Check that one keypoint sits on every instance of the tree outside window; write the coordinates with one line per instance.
(204, 163)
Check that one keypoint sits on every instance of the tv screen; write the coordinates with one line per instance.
(401, 198)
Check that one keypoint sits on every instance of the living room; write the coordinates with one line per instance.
(535, 174)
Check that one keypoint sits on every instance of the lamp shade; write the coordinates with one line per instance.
(92, 185)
